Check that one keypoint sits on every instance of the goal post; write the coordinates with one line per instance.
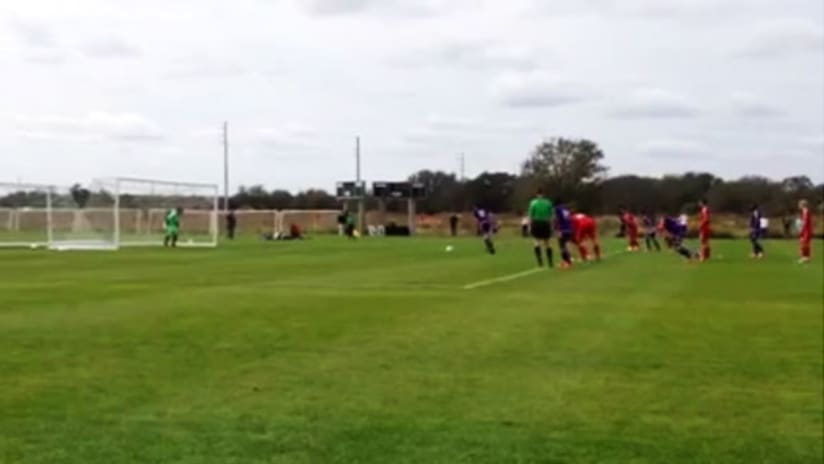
(143, 204)
(25, 215)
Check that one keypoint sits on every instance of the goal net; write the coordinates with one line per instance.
(83, 217)
(143, 204)
(24, 215)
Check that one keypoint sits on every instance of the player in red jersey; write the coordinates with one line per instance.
(806, 235)
(631, 226)
(704, 230)
(584, 228)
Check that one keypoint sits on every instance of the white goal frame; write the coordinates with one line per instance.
(14, 214)
(213, 221)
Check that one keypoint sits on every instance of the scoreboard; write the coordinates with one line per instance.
(414, 190)
(351, 190)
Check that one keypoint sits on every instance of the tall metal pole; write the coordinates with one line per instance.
(358, 180)
(463, 167)
(225, 166)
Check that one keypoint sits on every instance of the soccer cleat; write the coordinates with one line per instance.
(804, 260)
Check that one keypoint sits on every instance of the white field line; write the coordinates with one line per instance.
(518, 275)
(506, 278)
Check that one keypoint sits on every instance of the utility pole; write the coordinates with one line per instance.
(462, 160)
(225, 166)
(358, 180)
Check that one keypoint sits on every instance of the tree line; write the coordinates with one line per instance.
(569, 171)
(572, 172)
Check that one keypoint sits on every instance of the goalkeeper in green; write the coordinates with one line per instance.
(172, 226)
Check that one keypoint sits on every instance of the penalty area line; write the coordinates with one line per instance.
(518, 275)
(506, 278)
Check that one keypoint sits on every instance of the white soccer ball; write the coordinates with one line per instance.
(33, 246)
(449, 248)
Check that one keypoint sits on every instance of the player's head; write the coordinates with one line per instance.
(539, 192)
(702, 202)
(754, 208)
(802, 204)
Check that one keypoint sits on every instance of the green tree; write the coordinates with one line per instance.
(565, 168)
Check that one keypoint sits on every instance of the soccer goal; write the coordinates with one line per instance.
(25, 215)
(143, 204)
(83, 217)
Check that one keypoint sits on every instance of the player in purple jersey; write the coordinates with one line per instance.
(485, 227)
(676, 232)
(563, 222)
(756, 232)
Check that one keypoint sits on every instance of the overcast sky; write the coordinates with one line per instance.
(98, 88)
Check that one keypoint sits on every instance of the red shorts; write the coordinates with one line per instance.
(586, 232)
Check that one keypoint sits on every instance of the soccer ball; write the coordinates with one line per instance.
(449, 248)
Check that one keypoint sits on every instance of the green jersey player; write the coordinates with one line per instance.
(171, 224)
(541, 211)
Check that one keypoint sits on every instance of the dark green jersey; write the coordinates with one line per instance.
(541, 209)
(350, 219)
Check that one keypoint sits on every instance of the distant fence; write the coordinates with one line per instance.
(256, 222)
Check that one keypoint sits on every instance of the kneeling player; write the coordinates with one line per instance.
(675, 234)
(585, 229)
(485, 227)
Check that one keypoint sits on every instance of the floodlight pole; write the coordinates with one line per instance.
(225, 166)
(361, 197)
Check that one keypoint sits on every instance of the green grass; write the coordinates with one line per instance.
(328, 351)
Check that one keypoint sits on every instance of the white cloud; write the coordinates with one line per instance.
(33, 33)
(534, 90)
(93, 126)
(45, 57)
(291, 136)
(748, 105)
(397, 8)
(673, 148)
(656, 103)
(110, 48)
(783, 37)
(475, 53)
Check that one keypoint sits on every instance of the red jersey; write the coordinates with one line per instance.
(806, 223)
(705, 218)
(582, 221)
(629, 221)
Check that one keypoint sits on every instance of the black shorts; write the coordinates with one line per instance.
(541, 230)
(565, 237)
(349, 230)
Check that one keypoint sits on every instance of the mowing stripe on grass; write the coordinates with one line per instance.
(518, 275)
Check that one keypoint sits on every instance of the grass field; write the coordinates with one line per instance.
(328, 351)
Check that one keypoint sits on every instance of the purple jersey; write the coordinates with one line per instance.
(674, 227)
(755, 222)
(563, 219)
(482, 216)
